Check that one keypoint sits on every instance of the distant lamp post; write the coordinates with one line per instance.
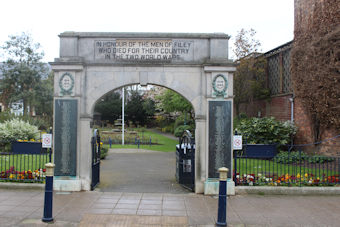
(123, 103)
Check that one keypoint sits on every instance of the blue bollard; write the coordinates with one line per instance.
(48, 203)
(222, 198)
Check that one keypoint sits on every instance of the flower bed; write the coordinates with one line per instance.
(14, 175)
(306, 179)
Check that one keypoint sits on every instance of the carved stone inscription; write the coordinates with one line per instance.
(65, 149)
(143, 50)
(219, 137)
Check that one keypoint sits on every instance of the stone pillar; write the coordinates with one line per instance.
(85, 153)
(67, 103)
(220, 126)
(200, 154)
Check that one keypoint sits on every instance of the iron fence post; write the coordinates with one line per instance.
(48, 202)
(235, 167)
(300, 166)
(222, 198)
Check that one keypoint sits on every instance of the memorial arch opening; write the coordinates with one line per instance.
(93, 64)
(149, 159)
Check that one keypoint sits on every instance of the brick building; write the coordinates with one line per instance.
(280, 86)
(283, 104)
(316, 18)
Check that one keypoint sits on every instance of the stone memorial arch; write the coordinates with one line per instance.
(92, 64)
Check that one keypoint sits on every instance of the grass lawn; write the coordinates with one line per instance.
(165, 144)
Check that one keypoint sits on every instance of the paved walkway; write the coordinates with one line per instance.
(138, 170)
(25, 208)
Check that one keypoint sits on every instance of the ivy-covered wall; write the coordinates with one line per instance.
(316, 72)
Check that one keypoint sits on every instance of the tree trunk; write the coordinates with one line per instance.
(237, 109)
(25, 106)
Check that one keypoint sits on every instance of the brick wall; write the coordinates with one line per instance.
(303, 14)
(278, 107)
(307, 16)
(304, 134)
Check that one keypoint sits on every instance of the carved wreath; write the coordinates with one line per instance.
(67, 91)
(220, 92)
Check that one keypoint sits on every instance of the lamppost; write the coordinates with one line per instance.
(123, 103)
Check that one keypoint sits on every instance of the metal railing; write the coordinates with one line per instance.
(24, 163)
(286, 169)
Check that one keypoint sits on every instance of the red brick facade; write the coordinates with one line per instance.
(302, 121)
(305, 11)
(278, 107)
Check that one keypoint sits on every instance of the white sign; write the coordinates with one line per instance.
(46, 140)
(237, 142)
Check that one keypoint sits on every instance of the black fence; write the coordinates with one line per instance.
(185, 161)
(286, 169)
(24, 163)
(131, 140)
(96, 150)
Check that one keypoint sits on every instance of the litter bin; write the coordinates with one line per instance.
(185, 161)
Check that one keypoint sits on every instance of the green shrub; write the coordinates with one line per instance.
(162, 121)
(296, 157)
(40, 122)
(266, 131)
(168, 128)
(320, 159)
(103, 152)
(238, 119)
(180, 130)
(183, 117)
(6, 116)
(16, 129)
(290, 157)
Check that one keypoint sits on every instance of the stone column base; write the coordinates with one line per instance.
(70, 184)
(211, 186)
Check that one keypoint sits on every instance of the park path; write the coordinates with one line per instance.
(139, 171)
(168, 135)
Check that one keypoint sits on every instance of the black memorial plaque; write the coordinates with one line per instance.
(65, 137)
(219, 137)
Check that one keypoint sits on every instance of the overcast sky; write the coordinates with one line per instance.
(45, 19)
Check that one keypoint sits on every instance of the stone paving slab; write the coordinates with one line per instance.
(25, 208)
(135, 170)
(90, 220)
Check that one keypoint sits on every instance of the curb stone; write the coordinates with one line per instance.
(28, 186)
(272, 190)
(239, 190)
(38, 223)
